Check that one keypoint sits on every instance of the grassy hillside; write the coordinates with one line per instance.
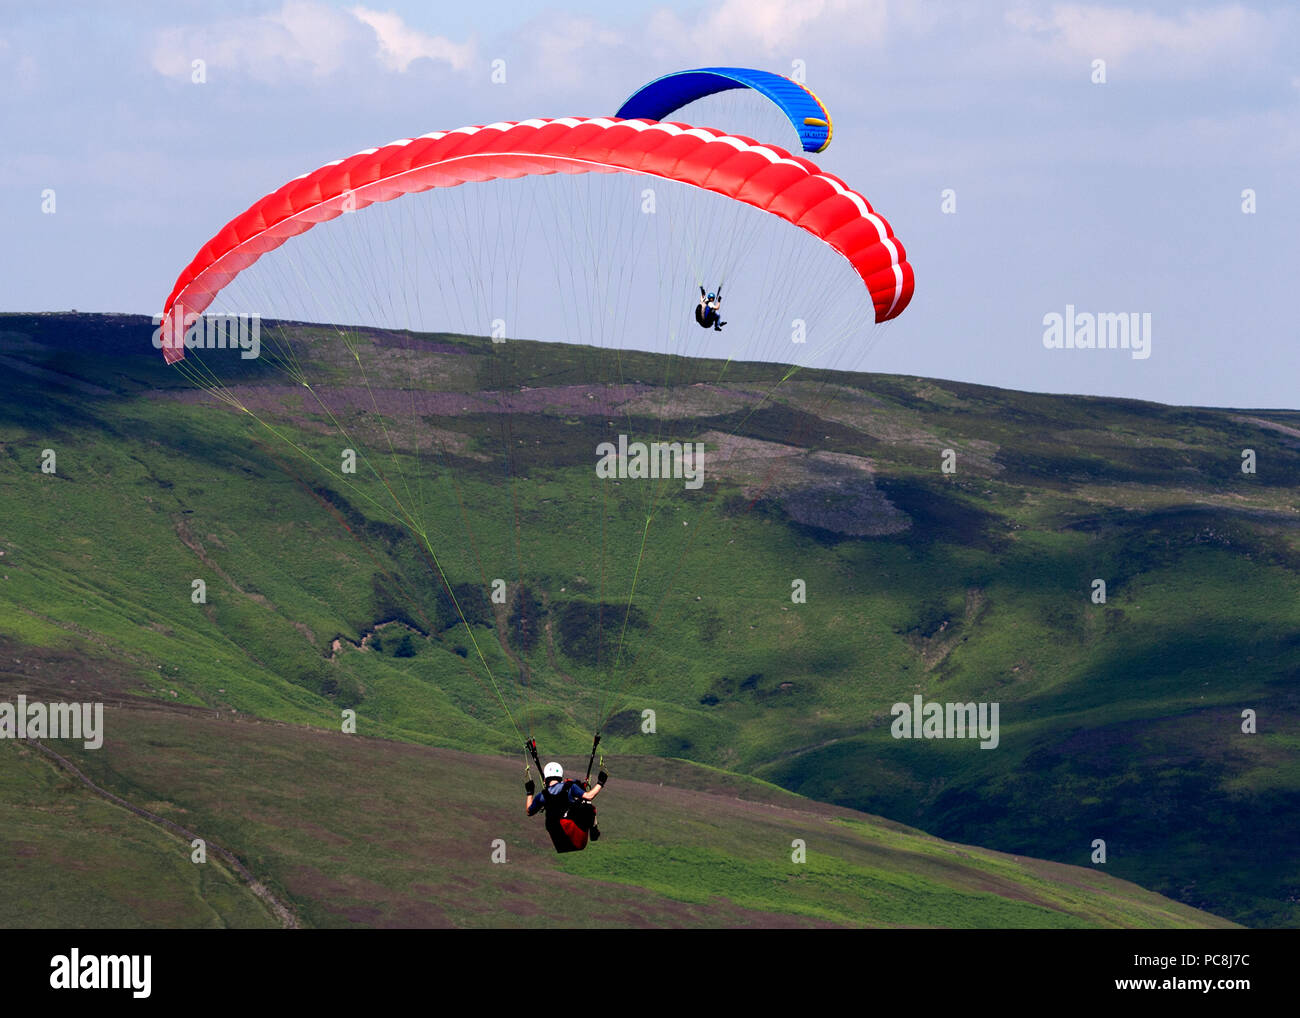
(347, 831)
(1120, 721)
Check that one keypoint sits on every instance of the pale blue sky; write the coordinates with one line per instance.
(1115, 197)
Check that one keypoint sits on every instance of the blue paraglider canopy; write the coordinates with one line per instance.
(662, 96)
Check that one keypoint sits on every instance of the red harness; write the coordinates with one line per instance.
(571, 835)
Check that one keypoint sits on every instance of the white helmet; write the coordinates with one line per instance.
(553, 770)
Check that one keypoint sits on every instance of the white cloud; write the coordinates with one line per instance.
(303, 37)
(401, 45)
(1085, 31)
(776, 25)
(568, 52)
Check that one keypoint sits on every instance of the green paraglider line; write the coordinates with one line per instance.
(611, 696)
(618, 651)
(469, 629)
(405, 518)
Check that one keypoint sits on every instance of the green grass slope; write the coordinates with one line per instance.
(347, 831)
(1119, 721)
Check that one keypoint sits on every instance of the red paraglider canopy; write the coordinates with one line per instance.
(764, 176)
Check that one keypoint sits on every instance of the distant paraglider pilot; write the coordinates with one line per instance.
(708, 310)
(570, 816)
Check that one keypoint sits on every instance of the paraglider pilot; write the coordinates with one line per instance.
(570, 816)
(707, 312)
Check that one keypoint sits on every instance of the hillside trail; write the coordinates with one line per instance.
(279, 909)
